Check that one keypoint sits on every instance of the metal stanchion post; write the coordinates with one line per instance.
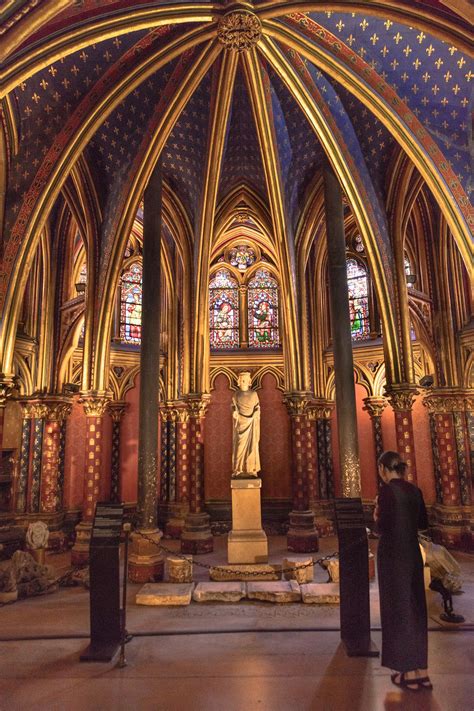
(124, 636)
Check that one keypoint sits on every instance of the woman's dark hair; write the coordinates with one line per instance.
(393, 462)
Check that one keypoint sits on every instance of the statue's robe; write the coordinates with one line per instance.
(245, 455)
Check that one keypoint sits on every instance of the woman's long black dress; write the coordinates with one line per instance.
(400, 571)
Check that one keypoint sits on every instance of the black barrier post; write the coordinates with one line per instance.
(104, 562)
(354, 578)
(123, 622)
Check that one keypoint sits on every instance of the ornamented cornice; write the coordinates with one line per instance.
(239, 30)
(375, 405)
(52, 409)
(117, 409)
(198, 404)
(297, 403)
(321, 409)
(401, 397)
(94, 402)
(448, 400)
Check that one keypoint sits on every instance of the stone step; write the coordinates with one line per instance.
(274, 592)
(219, 592)
(321, 593)
(165, 594)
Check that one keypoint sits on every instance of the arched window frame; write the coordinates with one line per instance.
(242, 279)
(224, 323)
(354, 310)
(135, 337)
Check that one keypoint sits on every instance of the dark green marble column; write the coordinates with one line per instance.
(341, 336)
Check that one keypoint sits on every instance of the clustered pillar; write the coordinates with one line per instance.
(302, 534)
(450, 412)
(401, 399)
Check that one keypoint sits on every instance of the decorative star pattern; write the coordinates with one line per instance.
(242, 161)
(431, 76)
(184, 154)
(44, 103)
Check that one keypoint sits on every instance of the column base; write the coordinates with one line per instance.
(177, 517)
(197, 537)
(302, 535)
(81, 547)
(453, 527)
(145, 561)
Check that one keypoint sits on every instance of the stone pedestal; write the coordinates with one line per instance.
(247, 541)
(302, 535)
(80, 550)
(145, 562)
(197, 537)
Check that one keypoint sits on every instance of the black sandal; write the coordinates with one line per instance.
(424, 682)
(409, 684)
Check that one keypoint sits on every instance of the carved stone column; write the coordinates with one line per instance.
(375, 406)
(39, 411)
(52, 474)
(196, 537)
(401, 399)
(116, 409)
(302, 534)
(95, 406)
(449, 411)
(146, 561)
(6, 387)
(341, 335)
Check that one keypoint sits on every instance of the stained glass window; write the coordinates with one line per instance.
(131, 304)
(83, 274)
(242, 257)
(224, 310)
(407, 265)
(263, 311)
(358, 288)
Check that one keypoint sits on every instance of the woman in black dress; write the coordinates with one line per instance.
(399, 513)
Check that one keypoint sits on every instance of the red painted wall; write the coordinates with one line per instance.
(423, 451)
(74, 461)
(129, 445)
(218, 441)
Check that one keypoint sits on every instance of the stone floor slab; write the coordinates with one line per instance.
(219, 592)
(321, 593)
(165, 594)
(274, 592)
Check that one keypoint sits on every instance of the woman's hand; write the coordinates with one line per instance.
(376, 510)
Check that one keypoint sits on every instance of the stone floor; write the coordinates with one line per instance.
(223, 657)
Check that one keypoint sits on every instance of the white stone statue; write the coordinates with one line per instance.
(37, 535)
(246, 436)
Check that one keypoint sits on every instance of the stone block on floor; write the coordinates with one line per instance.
(321, 593)
(180, 569)
(288, 591)
(165, 594)
(257, 571)
(219, 592)
(299, 568)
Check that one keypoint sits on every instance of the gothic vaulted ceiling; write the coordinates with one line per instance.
(229, 95)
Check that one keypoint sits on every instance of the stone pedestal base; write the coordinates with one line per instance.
(247, 542)
(80, 549)
(177, 517)
(302, 535)
(145, 562)
(197, 537)
(453, 526)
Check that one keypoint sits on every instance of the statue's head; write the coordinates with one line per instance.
(245, 379)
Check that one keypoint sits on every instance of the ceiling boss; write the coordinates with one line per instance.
(239, 30)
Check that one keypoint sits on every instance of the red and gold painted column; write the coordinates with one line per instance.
(375, 406)
(302, 535)
(6, 387)
(449, 411)
(401, 399)
(95, 407)
(179, 508)
(196, 537)
(51, 496)
(116, 409)
(321, 411)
